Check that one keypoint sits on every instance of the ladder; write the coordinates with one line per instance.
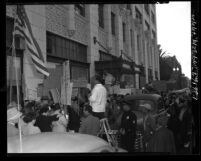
(105, 129)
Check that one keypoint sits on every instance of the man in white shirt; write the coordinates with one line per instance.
(98, 98)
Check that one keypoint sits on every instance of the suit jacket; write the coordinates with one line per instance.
(129, 122)
(162, 141)
(90, 125)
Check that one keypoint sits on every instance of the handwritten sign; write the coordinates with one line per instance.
(32, 94)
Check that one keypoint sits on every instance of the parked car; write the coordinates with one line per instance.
(137, 101)
(52, 142)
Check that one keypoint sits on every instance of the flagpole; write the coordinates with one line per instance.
(16, 76)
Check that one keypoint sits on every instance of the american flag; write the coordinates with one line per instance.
(22, 28)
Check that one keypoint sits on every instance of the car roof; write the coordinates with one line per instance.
(52, 142)
(153, 97)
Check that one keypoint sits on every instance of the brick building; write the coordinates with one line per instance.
(119, 38)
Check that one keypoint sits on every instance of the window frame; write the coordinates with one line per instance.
(124, 31)
(138, 15)
(113, 23)
(101, 15)
(146, 7)
(80, 9)
(153, 17)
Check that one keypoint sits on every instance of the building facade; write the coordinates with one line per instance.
(92, 37)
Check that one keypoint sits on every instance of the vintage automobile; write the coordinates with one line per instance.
(137, 102)
(52, 142)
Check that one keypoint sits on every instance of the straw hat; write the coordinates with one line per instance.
(13, 114)
(146, 106)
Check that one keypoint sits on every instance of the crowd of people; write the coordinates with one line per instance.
(162, 134)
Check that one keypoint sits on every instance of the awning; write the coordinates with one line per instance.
(117, 66)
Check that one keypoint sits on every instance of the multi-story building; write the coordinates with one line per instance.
(120, 39)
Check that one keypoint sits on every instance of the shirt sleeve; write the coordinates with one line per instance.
(82, 127)
(93, 96)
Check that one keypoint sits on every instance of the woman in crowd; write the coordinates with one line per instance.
(13, 116)
(44, 121)
(162, 139)
(29, 128)
(74, 119)
(61, 124)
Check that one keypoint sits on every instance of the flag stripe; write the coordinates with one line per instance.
(19, 23)
(21, 31)
(23, 27)
(26, 20)
(42, 71)
(39, 65)
(32, 52)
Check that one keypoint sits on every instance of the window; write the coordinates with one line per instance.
(105, 56)
(138, 15)
(146, 7)
(138, 42)
(154, 34)
(153, 17)
(128, 7)
(80, 9)
(131, 33)
(147, 25)
(101, 15)
(58, 46)
(124, 31)
(113, 23)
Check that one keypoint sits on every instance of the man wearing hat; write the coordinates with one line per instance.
(13, 116)
(163, 138)
(128, 127)
(148, 122)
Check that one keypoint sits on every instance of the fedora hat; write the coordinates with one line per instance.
(13, 114)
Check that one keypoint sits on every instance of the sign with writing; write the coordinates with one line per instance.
(55, 95)
(74, 92)
(69, 93)
(32, 94)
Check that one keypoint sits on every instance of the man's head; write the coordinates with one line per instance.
(126, 105)
(98, 79)
(87, 110)
(44, 109)
(30, 117)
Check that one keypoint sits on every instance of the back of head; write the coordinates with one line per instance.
(55, 107)
(99, 79)
(29, 117)
(44, 109)
(88, 108)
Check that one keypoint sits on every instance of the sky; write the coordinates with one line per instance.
(174, 32)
